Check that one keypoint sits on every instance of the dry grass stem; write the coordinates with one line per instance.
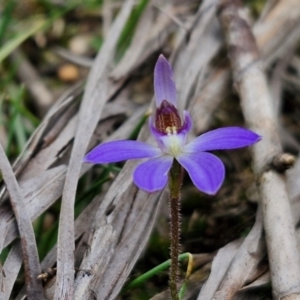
(28, 243)
(91, 106)
(244, 266)
(10, 271)
(142, 45)
(281, 23)
(220, 265)
(40, 92)
(73, 58)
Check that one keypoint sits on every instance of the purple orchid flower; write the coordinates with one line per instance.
(170, 131)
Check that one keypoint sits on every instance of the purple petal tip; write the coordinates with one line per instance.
(152, 175)
(162, 59)
(223, 139)
(164, 85)
(206, 171)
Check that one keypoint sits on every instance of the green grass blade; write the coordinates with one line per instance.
(136, 282)
(6, 18)
(129, 28)
(39, 23)
(14, 43)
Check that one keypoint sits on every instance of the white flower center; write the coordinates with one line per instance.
(173, 142)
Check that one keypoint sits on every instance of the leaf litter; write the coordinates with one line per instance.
(111, 233)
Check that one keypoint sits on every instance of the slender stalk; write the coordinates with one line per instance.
(175, 181)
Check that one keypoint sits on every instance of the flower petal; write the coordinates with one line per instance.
(116, 151)
(164, 85)
(152, 175)
(222, 139)
(205, 169)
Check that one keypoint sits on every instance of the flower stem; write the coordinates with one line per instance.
(175, 182)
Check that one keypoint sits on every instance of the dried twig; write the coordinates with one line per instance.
(259, 114)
